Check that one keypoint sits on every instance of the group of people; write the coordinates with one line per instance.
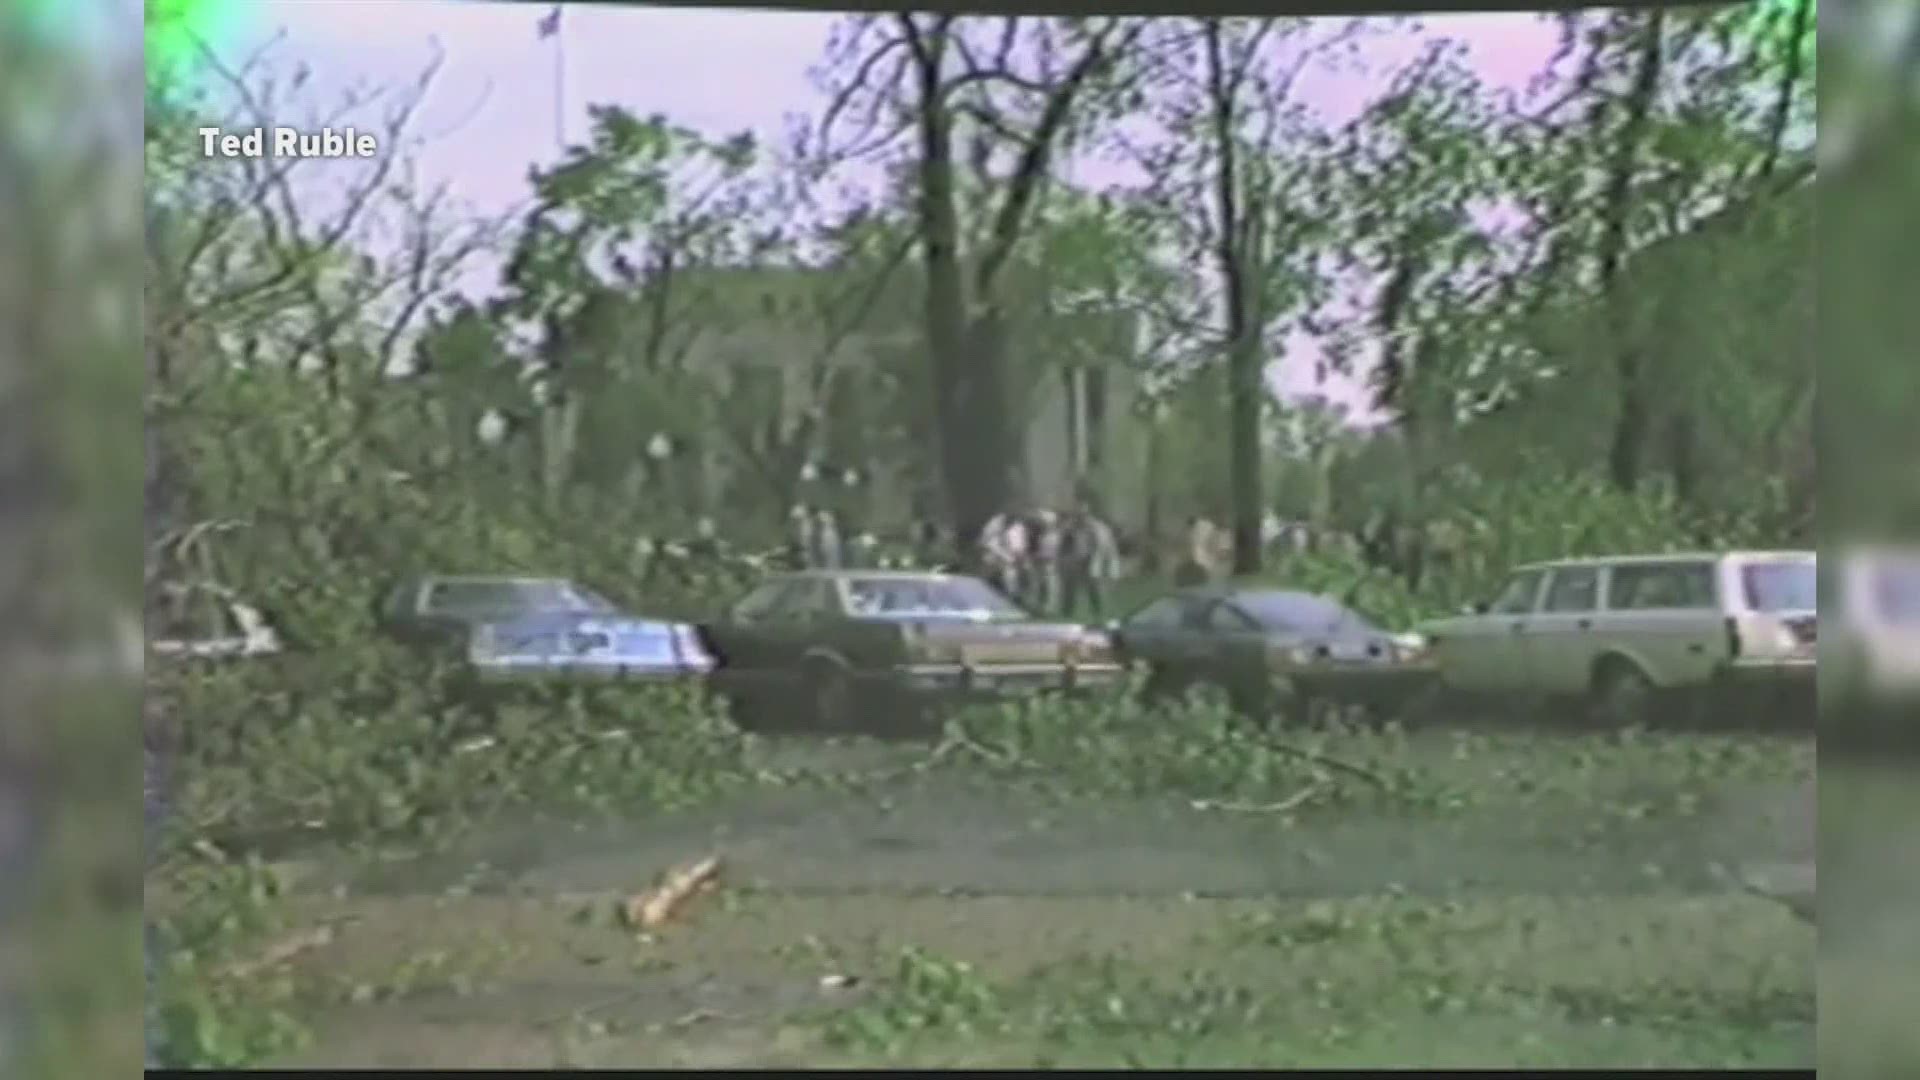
(1052, 562)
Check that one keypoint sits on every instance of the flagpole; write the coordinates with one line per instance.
(559, 81)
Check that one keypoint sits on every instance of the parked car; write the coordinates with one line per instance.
(539, 630)
(1628, 633)
(1274, 652)
(1873, 653)
(838, 644)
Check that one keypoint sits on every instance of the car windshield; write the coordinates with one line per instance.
(1781, 586)
(1300, 613)
(517, 596)
(964, 597)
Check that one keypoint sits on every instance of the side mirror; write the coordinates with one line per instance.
(1479, 608)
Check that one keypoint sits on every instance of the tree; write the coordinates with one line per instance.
(1234, 163)
(1014, 95)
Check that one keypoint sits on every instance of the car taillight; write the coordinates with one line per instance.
(687, 646)
(1733, 638)
(1095, 648)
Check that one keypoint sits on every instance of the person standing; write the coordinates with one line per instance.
(800, 543)
(1089, 558)
(1201, 562)
(828, 554)
(1043, 561)
(1001, 549)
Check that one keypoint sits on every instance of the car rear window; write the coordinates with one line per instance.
(1781, 586)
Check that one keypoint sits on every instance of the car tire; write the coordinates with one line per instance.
(1622, 693)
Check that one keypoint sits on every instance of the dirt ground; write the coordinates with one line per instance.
(951, 918)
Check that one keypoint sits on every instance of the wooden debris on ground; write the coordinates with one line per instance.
(658, 905)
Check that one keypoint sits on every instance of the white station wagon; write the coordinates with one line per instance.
(1622, 631)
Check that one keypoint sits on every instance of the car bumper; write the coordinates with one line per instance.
(1007, 680)
(1784, 674)
(1361, 682)
(1790, 683)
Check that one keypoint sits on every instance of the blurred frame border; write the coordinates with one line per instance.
(70, 386)
(71, 470)
(1869, 449)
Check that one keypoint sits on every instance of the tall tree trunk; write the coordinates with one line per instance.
(967, 335)
(970, 500)
(1631, 426)
(1245, 389)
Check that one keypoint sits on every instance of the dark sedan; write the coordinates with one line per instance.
(1274, 652)
(831, 645)
(539, 630)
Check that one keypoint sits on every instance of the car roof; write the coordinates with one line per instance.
(869, 575)
(494, 579)
(1670, 557)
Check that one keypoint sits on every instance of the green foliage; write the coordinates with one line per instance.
(211, 1016)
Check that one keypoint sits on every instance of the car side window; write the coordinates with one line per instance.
(1228, 619)
(1661, 586)
(1574, 588)
(1518, 597)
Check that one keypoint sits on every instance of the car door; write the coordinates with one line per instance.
(1152, 633)
(748, 639)
(1560, 643)
(1485, 652)
(804, 621)
(1666, 617)
(1230, 647)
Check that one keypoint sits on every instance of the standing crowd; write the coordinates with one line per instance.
(1057, 563)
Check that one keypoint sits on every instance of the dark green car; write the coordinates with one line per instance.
(833, 647)
(1275, 653)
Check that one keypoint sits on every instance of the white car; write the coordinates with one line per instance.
(1873, 652)
(1622, 631)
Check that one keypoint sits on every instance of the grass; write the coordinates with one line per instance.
(1069, 884)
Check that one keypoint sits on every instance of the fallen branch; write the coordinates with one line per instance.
(1332, 763)
(1292, 802)
(279, 953)
(659, 904)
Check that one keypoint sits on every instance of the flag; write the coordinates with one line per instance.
(550, 24)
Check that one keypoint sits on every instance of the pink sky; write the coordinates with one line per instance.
(493, 109)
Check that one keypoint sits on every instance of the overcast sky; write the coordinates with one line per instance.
(493, 110)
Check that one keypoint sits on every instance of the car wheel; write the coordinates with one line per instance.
(830, 694)
(1622, 693)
